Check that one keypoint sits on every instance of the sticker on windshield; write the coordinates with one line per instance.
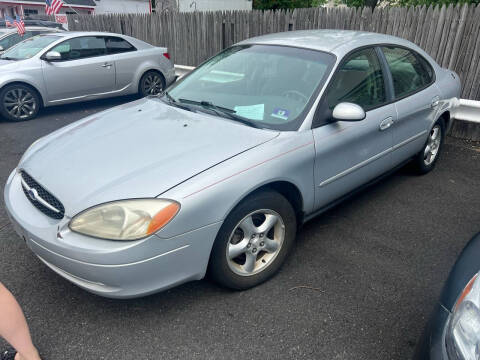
(252, 112)
(281, 113)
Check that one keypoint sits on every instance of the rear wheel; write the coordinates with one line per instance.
(151, 83)
(254, 241)
(19, 102)
(427, 158)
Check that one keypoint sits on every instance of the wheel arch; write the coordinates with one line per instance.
(146, 70)
(447, 120)
(25, 83)
(285, 188)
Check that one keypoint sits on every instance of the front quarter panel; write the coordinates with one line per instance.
(210, 196)
(26, 71)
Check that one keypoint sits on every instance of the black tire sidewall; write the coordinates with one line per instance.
(143, 78)
(3, 110)
(420, 164)
(218, 265)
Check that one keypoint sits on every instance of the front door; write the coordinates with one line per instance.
(84, 70)
(349, 154)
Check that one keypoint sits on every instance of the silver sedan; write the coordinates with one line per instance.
(218, 173)
(61, 68)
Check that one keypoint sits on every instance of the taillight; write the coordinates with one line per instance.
(167, 55)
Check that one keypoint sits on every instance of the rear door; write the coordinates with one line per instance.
(349, 154)
(86, 69)
(416, 97)
(126, 60)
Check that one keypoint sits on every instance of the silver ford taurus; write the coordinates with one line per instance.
(217, 174)
(61, 68)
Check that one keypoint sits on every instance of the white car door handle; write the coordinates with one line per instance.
(385, 124)
(106, 65)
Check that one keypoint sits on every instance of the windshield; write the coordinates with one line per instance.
(29, 48)
(270, 86)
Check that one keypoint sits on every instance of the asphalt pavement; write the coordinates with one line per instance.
(360, 283)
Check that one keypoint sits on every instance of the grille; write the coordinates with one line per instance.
(42, 196)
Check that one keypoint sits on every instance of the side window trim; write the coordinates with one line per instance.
(322, 107)
(387, 75)
(418, 56)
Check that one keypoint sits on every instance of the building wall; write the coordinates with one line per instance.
(212, 5)
(11, 9)
(123, 6)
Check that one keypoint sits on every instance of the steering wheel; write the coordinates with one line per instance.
(295, 95)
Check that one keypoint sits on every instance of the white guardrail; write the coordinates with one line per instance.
(466, 110)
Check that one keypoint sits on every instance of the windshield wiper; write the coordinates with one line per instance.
(171, 101)
(222, 111)
(7, 58)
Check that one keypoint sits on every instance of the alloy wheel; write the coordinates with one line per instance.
(255, 242)
(153, 84)
(433, 145)
(20, 103)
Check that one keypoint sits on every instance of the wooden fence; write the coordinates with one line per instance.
(451, 35)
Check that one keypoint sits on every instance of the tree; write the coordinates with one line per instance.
(374, 3)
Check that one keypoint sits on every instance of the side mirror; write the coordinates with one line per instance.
(53, 56)
(1, 48)
(348, 112)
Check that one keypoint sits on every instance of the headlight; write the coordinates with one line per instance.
(463, 332)
(126, 219)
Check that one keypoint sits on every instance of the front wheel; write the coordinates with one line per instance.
(19, 102)
(427, 158)
(254, 241)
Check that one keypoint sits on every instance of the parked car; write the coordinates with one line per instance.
(10, 37)
(453, 331)
(219, 172)
(66, 67)
(33, 22)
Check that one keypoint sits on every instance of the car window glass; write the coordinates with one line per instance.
(82, 47)
(118, 45)
(14, 39)
(29, 47)
(410, 72)
(268, 85)
(359, 80)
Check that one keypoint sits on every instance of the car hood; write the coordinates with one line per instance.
(137, 150)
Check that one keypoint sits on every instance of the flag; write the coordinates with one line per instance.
(52, 7)
(20, 24)
(8, 21)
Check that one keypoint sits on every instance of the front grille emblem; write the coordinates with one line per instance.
(32, 193)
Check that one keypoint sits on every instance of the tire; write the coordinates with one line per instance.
(19, 102)
(269, 248)
(426, 159)
(151, 83)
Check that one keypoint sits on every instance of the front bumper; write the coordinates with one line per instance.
(112, 269)
(432, 342)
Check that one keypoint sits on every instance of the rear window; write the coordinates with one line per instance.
(410, 71)
(118, 45)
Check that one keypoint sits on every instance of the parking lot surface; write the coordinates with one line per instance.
(360, 283)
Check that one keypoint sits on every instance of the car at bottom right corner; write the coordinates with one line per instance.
(453, 331)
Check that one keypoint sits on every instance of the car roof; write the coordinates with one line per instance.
(87, 33)
(338, 42)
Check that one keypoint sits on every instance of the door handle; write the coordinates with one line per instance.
(106, 65)
(435, 101)
(385, 124)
